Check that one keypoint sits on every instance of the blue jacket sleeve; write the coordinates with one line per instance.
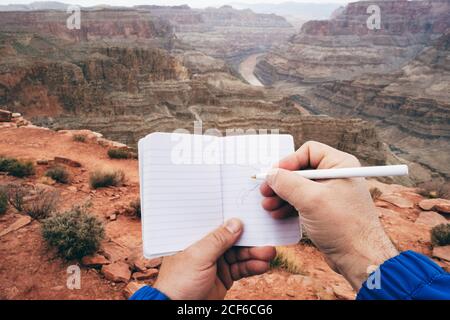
(409, 276)
(148, 293)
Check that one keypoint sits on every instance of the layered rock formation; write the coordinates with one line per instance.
(127, 88)
(225, 33)
(344, 47)
(411, 105)
(96, 25)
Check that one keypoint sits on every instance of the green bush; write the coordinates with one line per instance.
(16, 168)
(79, 138)
(106, 178)
(440, 235)
(118, 154)
(59, 174)
(3, 200)
(42, 205)
(74, 233)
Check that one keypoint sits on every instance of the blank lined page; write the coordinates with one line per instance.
(245, 156)
(181, 195)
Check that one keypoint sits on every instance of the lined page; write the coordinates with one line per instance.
(245, 156)
(181, 195)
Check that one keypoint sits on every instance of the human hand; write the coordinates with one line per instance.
(338, 215)
(207, 269)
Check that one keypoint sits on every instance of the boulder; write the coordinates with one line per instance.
(146, 275)
(117, 272)
(94, 261)
(430, 218)
(5, 116)
(131, 288)
(68, 162)
(440, 205)
(442, 253)
(18, 224)
(153, 263)
(114, 252)
(42, 162)
(397, 201)
(343, 292)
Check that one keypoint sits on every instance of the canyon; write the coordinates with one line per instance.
(139, 78)
(382, 95)
(396, 77)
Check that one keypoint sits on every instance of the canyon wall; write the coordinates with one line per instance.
(344, 47)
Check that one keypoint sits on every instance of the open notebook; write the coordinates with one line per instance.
(191, 184)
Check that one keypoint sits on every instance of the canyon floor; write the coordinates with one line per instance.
(30, 270)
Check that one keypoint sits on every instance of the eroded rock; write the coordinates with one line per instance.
(117, 272)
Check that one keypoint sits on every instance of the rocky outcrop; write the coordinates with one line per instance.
(344, 47)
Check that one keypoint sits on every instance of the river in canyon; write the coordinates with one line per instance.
(247, 68)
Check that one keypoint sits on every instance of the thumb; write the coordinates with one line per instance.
(289, 186)
(215, 244)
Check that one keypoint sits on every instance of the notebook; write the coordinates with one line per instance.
(191, 184)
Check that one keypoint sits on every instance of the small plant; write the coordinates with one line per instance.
(16, 194)
(42, 205)
(79, 138)
(375, 193)
(59, 174)
(3, 200)
(118, 153)
(283, 260)
(75, 233)
(136, 207)
(106, 177)
(16, 168)
(440, 235)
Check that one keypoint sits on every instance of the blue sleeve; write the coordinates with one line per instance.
(409, 276)
(148, 293)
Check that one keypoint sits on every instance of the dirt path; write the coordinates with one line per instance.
(247, 68)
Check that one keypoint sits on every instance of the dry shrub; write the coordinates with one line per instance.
(434, 189)
(102, 178)
(136, 207)
(3, 200)
(59, 174)
(79, 138)
(440, 235)
(75, 233)
(16, 196)
(118, 154)
(286, 261)
(42, 204)
(375, 193)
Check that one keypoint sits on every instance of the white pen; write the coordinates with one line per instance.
(342, 173)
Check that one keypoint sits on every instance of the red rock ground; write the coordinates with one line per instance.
(29, 270)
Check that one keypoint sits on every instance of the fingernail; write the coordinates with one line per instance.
(234, 225)
(271, 175)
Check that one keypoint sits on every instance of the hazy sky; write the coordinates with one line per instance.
(192, 3)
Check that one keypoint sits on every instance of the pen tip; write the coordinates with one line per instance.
(254, 177)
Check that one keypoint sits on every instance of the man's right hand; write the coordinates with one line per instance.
(338, 215)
